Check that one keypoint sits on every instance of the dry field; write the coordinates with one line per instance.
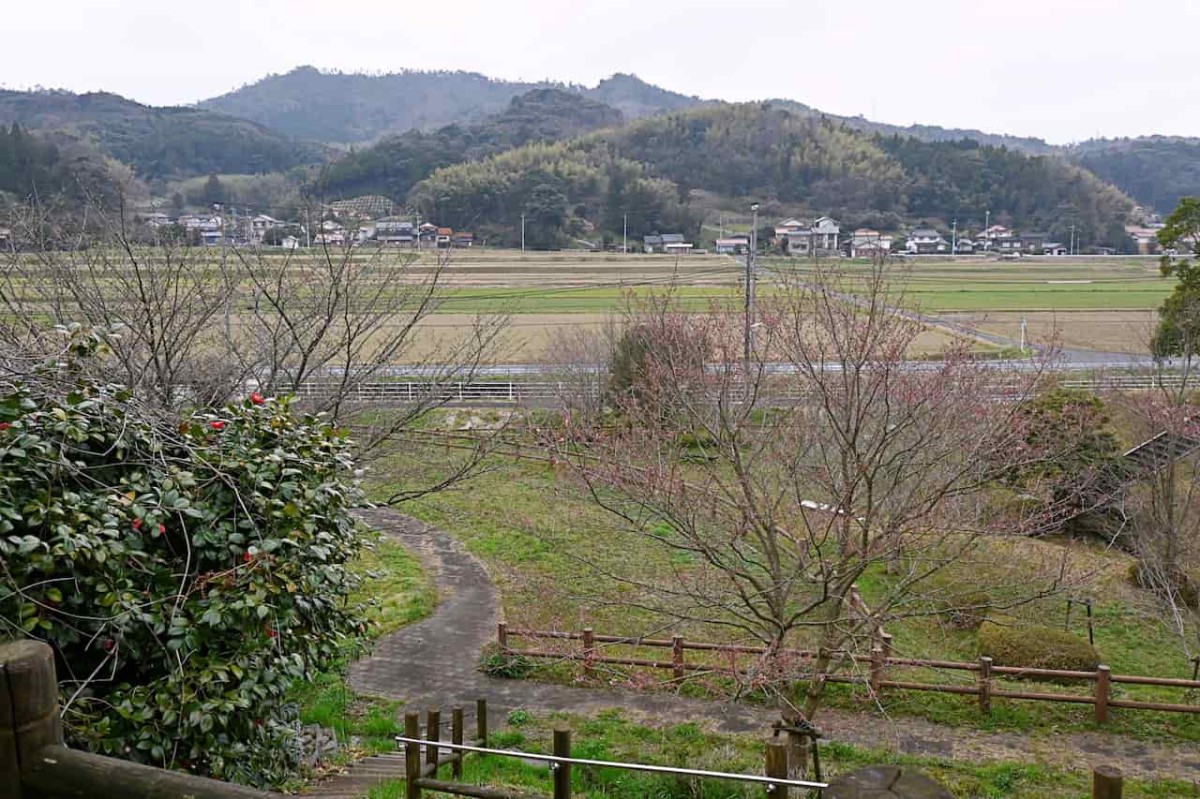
(1104, 331)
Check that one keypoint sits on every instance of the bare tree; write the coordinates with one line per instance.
(828, 456)
(159, 304)
(193, 325)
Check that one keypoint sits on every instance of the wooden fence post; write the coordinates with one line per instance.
(1107, 783)
(562, 771)
(456, 737)
(29, 719)
(589, 653)
(677, 655)
(985, 685)
(877, 666)
(502, 636)
(777, 766)
(433, 724)
(412, 756)
(481, 730)
(885, 640)
(1102, 690)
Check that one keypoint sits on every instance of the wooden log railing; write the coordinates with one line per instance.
(876, 668)
(34, 763)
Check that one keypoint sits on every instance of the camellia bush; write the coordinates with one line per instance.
(188, 572)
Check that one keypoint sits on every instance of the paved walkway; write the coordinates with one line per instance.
(432, 664)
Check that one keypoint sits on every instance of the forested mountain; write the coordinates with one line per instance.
(1155, 170)
(158, 142)
(348, 108)
(392, 166)
(564, 190)
(765, 152)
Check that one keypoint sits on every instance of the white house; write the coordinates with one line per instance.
(926, 241)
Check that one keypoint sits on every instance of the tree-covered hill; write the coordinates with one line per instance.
(159, 142)
(396, 163)
(348, 108)
(1155, 170)
(34, 166)
(767, 153)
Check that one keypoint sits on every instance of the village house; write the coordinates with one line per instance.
(444, 237)
(926, 241)
(867, 243)
(289, 243)
(206, 230)
(396, 232)
(666, 243)
(463, 238)
(963, 246)
(1033, 242)
(733, 245)
(259, 226)
(821, 236)
(427, 234)
(1145, 239)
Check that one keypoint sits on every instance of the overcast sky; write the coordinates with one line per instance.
(1059, 69)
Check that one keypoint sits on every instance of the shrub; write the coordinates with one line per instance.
(495, 663)
(1037, 647)
(1182, 587)
(187, 571)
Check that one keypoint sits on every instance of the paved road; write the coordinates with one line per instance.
(433, 664)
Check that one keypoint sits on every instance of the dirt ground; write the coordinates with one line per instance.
(547, 337)
(1105, 331)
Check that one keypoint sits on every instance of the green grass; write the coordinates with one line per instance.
(534, 529)
(611, 736)
(396, 589)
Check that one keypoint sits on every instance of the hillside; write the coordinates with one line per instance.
(396, 163)
(770, 154)
(349, 108)
(1155, 170)
(158, 142)
(32, 165)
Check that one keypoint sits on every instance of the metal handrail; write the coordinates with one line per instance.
(554, 760)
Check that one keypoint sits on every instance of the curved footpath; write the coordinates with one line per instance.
(432, 664)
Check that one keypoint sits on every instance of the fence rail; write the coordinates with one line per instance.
(878, 664)
(423, 759)
(515, 392)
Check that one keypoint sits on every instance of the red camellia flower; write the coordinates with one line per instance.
(162, 528)
(271, 633)
(257, 398)
(217, 425)
(137, 524)
(5, 425)
(109, 644)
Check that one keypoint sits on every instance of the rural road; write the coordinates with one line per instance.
(432, 664)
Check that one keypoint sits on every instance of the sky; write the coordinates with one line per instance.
(1062, 70)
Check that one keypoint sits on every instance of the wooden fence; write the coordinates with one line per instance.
(877, 668)
(423, 758)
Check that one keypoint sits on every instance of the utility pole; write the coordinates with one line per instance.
(624, 233)
(748, 342)
(954, 238)
(522, 234)
(1024, 327)
(1071, 250)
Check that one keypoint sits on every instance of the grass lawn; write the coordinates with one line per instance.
(543, 540)
(611, 736)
